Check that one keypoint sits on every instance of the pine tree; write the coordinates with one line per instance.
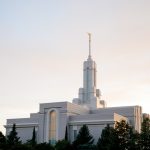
(33, 140)
(83, 137)
(66, 134)
(107, 141)
(134, 140)
(145, 134)
(122, 130)
(2, 140)
(12, 138)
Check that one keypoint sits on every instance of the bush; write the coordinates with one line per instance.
(44, 146)
(63, 145)
(20, 147)
(87, 147)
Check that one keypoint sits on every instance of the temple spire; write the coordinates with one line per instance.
(89, 34)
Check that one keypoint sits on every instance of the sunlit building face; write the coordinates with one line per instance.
(52, 127)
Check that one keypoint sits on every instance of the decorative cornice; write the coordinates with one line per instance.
(22, 125)
(92, 122)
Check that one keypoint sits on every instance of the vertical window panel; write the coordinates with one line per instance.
(52, 127)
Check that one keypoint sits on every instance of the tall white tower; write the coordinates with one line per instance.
(89, 95)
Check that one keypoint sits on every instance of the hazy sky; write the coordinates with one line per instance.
(43, 44)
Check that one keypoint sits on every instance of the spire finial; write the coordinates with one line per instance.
(89, 34)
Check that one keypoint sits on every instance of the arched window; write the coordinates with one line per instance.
(52, 127)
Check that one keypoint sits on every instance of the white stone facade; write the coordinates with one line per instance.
(73, 116)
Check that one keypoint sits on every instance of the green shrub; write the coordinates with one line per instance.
(62, 145)
(44, 146)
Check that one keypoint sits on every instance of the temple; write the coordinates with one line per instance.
(53, 118)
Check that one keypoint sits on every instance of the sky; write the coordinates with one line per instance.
(43, 44)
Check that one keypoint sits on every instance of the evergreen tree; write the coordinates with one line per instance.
(107, 141)
(145, 134)
(2, 140)
(83, 137)
(66, 134)
(122, 130)
(33, 140)
(12, 138)
(134, 140)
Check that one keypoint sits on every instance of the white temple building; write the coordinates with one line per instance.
(53, 118)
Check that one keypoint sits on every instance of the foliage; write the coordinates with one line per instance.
(32, 142)
(2, 140)
(20, 147)
(107, 141)
(44, 146)
(63, 145)
(87, 147)
(12, 138)
(122, 130)
(122, 137)
(133, 140)
(145, 134)
(66, 134)
(83, 137)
